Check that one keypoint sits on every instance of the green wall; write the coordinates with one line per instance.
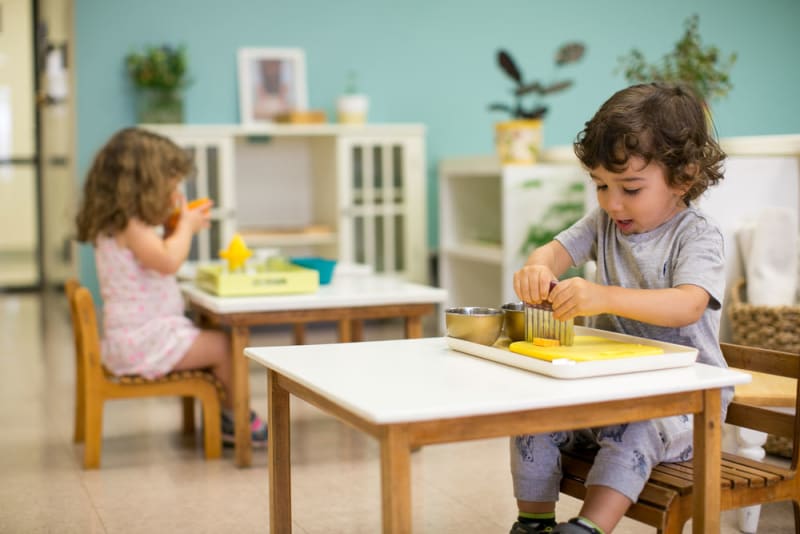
(433, 61)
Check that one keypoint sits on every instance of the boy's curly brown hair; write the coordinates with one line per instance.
(659, 122)
(133, 175)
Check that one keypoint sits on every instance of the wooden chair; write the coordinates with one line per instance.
(95, 384)
(666, 501)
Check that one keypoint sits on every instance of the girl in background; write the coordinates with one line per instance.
(131, 189)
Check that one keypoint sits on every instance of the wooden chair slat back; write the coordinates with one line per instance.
(70, 287)
(772, 362)
(88, 332)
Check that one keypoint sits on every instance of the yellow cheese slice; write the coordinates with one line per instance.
(585, 349)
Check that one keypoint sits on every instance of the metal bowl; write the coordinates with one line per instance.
(474, 323)
(515, 320)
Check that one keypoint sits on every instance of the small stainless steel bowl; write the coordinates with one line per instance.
(515, 320)
(474, 323)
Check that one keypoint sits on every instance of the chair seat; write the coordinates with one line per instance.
(174, 376)
(672, 481)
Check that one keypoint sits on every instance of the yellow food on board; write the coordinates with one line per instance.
(237, 253)
(544, 342)
(585, 349)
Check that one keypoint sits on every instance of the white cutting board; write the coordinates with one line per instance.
(673, 356)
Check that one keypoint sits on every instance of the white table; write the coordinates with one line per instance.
(348, 300)
(408, 393)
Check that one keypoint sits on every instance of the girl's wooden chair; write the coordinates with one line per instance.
(95, 384)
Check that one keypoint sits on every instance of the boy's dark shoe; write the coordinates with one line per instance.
(574, 526)
(531, 528)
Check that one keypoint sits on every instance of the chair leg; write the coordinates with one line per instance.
(93, 445)
(80, 404)
(796, 507)
(188, 415)
(212, 434)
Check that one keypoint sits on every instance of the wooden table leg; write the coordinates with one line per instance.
(396, 480)
(345, 331)
(299, 334)
(357, 329)
(707, 459)
(240, 336)
(413, 327)
(280, 480)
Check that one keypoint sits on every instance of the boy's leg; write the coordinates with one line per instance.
(623, 464)
(536, 473)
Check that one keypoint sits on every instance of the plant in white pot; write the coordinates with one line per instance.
(519, 140)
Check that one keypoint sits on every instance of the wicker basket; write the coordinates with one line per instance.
(770, 327)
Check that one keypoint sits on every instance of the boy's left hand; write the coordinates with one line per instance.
(575, 296)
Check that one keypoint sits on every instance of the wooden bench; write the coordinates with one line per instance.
(666, 501)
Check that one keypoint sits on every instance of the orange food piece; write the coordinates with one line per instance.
(172, 222)
(544, 342)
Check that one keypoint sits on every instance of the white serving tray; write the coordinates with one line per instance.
(674, 356)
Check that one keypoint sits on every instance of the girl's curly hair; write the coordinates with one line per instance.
(658, 122)
(133, 175)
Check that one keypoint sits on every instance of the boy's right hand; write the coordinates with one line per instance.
(532, 283)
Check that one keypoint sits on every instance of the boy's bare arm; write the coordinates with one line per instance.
(671, 307)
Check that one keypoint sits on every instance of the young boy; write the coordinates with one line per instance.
(660, 275)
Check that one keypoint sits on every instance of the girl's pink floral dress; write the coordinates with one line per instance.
(144, 329)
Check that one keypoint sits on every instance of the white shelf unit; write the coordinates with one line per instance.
(352, 192)
(487, 211)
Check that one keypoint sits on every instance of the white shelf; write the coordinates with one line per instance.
(478, 252)
(365, 184)
(266, 238)
(486, 214)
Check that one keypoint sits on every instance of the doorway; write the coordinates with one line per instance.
(36, 123)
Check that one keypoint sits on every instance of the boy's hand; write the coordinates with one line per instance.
(575, 296)
(532, 283)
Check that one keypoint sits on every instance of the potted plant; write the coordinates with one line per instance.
(519, 140)
(704, 69)
(159, 75)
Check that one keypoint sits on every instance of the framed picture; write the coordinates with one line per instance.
(271, 81)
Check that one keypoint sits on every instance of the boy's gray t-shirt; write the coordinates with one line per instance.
(687, 249)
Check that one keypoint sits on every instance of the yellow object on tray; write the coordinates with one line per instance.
(273, 278)
(585, 349)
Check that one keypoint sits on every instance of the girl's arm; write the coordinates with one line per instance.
(672, 307)
(165, 255)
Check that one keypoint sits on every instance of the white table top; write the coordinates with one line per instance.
(343, 291)
(423, 379)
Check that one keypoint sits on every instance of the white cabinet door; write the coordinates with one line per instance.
(383, 210)
(213, 159)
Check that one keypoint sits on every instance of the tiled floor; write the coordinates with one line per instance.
(153, 480)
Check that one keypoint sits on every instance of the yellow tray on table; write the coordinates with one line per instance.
(273, 278)
(595, 353)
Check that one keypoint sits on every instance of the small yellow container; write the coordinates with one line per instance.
(273, 278)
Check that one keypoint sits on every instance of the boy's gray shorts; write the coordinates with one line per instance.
(625, 456)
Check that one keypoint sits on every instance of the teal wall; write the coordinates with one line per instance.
(432, 61)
